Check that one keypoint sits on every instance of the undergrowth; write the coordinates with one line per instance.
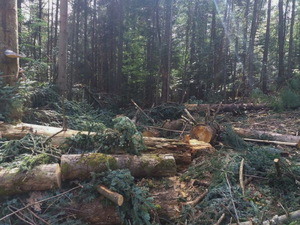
(123, 137)
(135, 210)
(260, 200)
(27, 152)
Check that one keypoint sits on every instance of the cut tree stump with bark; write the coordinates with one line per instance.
(225, 107)
(203, 133)
(79, 166)
(42, 177)
(267, 135)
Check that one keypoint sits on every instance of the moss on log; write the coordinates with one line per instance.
(78, 166)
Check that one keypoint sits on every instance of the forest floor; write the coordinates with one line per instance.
(208, 189)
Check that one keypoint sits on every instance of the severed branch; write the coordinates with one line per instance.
(113, 196)
(277, 167)
(229, 188)
(197, 200)
(189, 115)
(139, 108)
(241, 177)
(220, 219)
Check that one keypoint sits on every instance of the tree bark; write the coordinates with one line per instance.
(166, 56)
(9, 67)
(76, 166)
(291, 42)
(43, 177)
(264, 73)
(281, 41)
(63, 39)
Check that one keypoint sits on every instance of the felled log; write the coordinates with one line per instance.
(79, 166)
(225, 107)
(111, 195)
(18, 131)
(270, 135)
(183, 150)
(42, 177)
(273, 142)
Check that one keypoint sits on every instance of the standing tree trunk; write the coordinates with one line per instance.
(280, 78)
(63, 38)
(250, 65)
(9, 67)
(264, 74)
(166, 56)
(291, 41)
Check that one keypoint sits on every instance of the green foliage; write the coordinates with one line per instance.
(289, 97)
(27, 152)
(12, 101)
(43, 94)
(230, 138)
(124, 136)
(166, 111)
(137, 204)
(131, 139)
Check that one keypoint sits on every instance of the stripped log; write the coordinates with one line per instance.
(42, 177)
(18, 131)
(273, 142)
(79, 166)
(267, 135)
(225, 107)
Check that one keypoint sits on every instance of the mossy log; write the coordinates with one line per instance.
(267, 135)
(225, 107)
(78, 166)
(42, 177)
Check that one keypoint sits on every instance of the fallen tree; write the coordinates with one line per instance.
(224, 107)
(42, 177)
(79, 166)
(267, 135)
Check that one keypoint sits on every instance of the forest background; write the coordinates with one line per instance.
(157, 51)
